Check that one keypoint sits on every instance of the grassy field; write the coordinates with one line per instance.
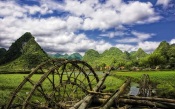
(164, 81)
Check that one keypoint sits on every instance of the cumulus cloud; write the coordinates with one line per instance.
(139, 41)
(72, 43)
(163, 2)
(113, 34)
(10, 8)
(97, 15)
(172, 41)
(126, 47)
(147, 46)
(43, 9)
(139, 37)
(60, 33)
(142, 36)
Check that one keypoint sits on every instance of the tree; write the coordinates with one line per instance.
(143, 62)
(156, 59)
(171, 55)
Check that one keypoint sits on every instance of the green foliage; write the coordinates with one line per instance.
(144, 62)
(166, 90)
(162, 49)
(2, 52)
(156, 59)
(138, 54)
(162, 80)
(171, 55)
(163, 56)
(91, 56)
(65, 56)
(15, 49)
(74, 56)
(114, 57)
(29, 54)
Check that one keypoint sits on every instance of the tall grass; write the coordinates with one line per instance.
(163, 79)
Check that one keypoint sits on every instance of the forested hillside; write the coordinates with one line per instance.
(24, 54)
(73, 56)
(162, 58)
(2, 52)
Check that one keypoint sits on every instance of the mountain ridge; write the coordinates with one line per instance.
(72, 56)
(24, 53)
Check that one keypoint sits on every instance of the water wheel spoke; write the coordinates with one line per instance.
(53, 80)
(43, 93)
(58, 73)
(72, 72)
(68, 80)
(40, 90)
(63, 68)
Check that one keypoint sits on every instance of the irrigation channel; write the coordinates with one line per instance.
(73, 84)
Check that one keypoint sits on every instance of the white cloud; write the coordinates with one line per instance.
(96, 15)
(54, 34)
(128, 40)
(72, 43)
(113, 34)
(126, 47)
(58, 33)
(43, 9)
(136, 11)
(10, 8)
(148, 46)
(74, 23)
(163, 2)
(80, 8)
(140, 37)
(172, 41)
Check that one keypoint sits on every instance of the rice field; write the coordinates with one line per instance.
(164, 81)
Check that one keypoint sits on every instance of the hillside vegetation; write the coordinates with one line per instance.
(162, 58)
(24, 54)
(2, 52)
(73, 56)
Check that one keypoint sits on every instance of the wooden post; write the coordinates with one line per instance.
(150, 99)
(146, 101)
(116, 95)
(84, 103)
(143, 103)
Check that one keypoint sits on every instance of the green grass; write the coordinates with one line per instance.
(163, 79)
(155, 76)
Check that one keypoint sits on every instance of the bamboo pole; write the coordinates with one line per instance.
(137, 102)
(116, 95)
(150, 99)
(143, 103)
(84, 103)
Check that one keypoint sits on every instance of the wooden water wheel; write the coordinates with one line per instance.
(60, 83)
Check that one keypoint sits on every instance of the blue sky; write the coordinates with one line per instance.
(67, 26)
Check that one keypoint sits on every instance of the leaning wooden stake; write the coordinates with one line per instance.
(116, 95)
(84, 103)
(150, 99)
(143, 103)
